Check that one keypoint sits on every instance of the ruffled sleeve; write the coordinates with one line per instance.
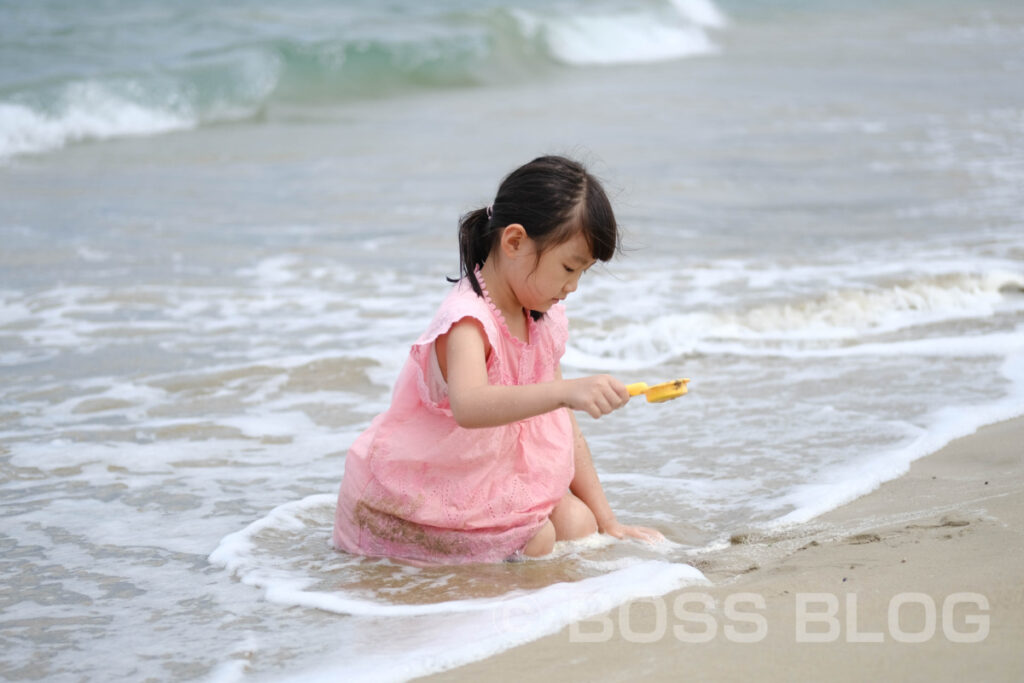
(461, 303)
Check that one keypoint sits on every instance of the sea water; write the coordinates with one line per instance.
(222, 227)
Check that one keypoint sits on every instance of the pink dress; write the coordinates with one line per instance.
(419, 487)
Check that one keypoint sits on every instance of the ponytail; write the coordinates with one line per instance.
(476, 237)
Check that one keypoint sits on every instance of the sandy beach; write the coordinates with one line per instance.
(919, 580)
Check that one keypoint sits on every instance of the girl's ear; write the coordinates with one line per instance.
(513, 240)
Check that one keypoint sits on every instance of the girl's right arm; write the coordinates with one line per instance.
(476, 403)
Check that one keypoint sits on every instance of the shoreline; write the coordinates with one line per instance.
(919, 579)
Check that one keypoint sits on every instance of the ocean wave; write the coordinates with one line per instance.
(622, 38)
(824, 325)
(48, 117)
(86, 111)
(852, 313)
(382, 56)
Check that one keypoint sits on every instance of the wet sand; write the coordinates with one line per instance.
(920, 580)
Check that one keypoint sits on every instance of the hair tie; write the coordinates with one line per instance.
(490, 211)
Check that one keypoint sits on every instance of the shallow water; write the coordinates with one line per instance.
(822, 229)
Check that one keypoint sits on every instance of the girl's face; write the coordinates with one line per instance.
(540, 283)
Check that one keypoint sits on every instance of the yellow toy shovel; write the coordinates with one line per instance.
(659, 392)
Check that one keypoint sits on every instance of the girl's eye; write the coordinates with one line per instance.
(568, 269)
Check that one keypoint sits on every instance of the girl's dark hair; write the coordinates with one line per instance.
(553, 198)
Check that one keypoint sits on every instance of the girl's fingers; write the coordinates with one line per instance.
(643, 533)
(600, 395)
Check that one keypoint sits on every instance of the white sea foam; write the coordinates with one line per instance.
(239, 553)
(846, 483)
(272, 272)
(13, 307)
(996, 344)
(582, 39)
(447, 633)
(89, 111)
(151, 104)
(518, 619)
(859, 476)
(842, 322)
(844, 314)
(622, 39)
(701, 12)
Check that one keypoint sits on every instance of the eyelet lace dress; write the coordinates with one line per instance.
(419, 487)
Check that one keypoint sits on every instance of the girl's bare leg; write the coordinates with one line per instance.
(542, 543)
(572, 519)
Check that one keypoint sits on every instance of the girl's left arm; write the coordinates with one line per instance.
(587, 487)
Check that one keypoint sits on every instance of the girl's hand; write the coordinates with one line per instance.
(596, 395)
(641, 533)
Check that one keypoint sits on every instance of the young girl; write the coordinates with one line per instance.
(479, 458)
